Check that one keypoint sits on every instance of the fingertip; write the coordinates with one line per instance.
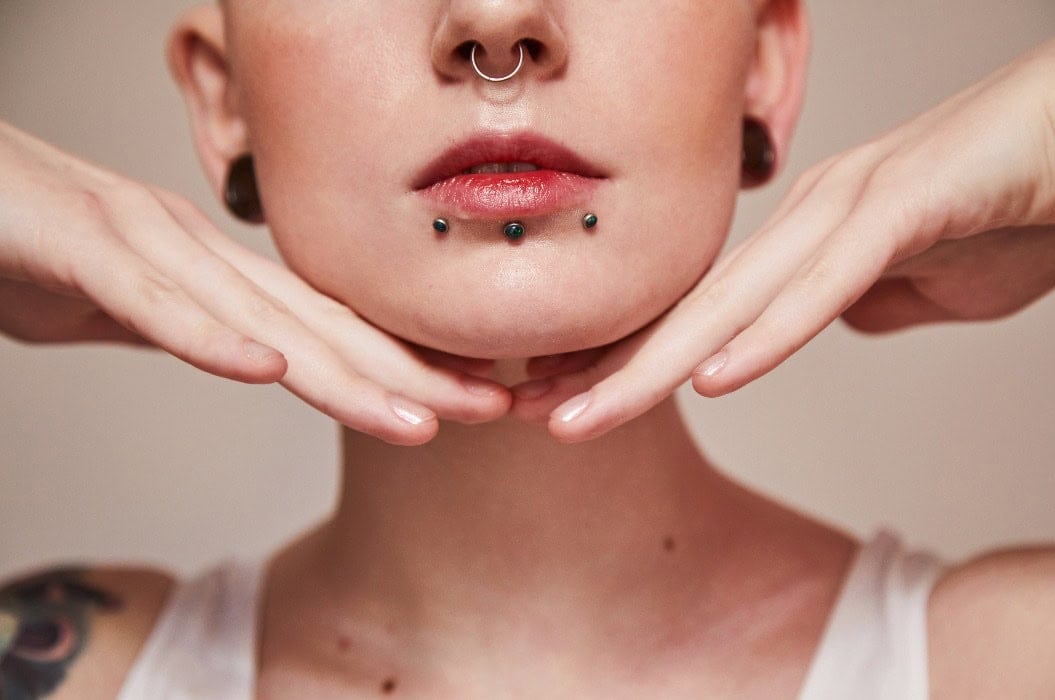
(408, 424)
(420, 435)
(411, 412)
(535, 400)
(265, 364)
(710, 378)
(545, 365)
(707, 387)
(482, 388)
(567, 422)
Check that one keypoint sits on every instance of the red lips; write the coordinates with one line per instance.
(562, 181)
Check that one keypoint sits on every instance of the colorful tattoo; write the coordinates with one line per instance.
(44, 625)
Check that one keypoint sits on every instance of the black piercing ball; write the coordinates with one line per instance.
(589, 221)
(441, 225)
(241, 194)
(514, 230)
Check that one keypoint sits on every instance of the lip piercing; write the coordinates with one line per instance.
(514, 230)
(441, 226)
(589, 221)
(485, 76)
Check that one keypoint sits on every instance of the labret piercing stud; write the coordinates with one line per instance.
(514, 230)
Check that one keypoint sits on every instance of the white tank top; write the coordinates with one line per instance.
(203, 646)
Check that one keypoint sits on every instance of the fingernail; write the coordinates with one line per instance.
(533, 389)
(410, 412)
(573, 408)
(714, 365)
(480, 387)
(257, 352)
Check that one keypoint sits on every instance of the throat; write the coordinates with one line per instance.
(501, 515)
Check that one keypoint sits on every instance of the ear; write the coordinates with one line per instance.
(777, 79)
(197, 58)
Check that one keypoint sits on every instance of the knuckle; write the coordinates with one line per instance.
(88, 206)
(130, 194)
(156, 291)
(186, 211)
(265, 310)
(714, 295)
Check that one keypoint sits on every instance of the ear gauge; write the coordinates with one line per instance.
(240, 191)
(759, 157)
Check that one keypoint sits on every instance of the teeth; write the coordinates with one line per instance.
(488, 168)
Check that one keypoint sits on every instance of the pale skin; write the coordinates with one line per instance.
(494, 560)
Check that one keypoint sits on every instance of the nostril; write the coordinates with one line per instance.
(464, 49)
(534, 48)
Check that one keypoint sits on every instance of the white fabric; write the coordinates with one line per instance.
(874, 646)
(203, 646)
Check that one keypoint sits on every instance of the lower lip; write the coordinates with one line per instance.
(534, 193)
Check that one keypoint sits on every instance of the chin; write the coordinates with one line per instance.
(497, 331)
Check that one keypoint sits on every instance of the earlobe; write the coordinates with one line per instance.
(197, 58)
(776, 82)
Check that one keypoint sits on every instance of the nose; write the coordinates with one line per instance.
(499, 29)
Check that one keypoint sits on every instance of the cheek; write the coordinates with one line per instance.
(337, 132)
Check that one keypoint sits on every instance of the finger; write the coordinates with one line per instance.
(153, 307)
(893, 304)
(326, 330)
(356, 402)
(820, 199)
(33, 314)
(841, 271)
(454, 395)
(558, 378)
(728, 300)
(476, 367)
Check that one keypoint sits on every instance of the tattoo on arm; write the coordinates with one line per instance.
(44, 625)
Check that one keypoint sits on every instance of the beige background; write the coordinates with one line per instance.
(944, 433)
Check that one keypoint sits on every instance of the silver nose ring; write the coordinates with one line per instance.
(485, 76)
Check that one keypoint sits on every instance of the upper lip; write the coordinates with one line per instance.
(504, 148)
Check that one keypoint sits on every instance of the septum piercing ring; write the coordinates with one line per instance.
(485, 76)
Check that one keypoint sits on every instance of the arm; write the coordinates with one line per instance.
(75, 633)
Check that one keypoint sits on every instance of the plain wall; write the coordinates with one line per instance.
(944, 433)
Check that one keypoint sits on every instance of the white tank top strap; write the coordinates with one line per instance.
(203, 646)
(875, 644)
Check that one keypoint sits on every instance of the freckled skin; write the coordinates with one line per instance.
(666, 128)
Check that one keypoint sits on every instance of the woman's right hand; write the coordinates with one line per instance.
(86, 254)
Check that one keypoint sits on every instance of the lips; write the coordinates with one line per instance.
(507, 175)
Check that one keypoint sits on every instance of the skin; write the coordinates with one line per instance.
(393, 560)
(45, 624)
(635, 519)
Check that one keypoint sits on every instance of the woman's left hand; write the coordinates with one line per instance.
(951, 216)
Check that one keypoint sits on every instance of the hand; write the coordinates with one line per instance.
(951, 216)
(88, 255)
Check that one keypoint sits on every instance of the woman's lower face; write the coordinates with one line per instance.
(368, 122)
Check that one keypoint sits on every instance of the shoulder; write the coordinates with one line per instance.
(74, 632)
(991, 622)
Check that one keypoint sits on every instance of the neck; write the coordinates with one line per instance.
(486, 522)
